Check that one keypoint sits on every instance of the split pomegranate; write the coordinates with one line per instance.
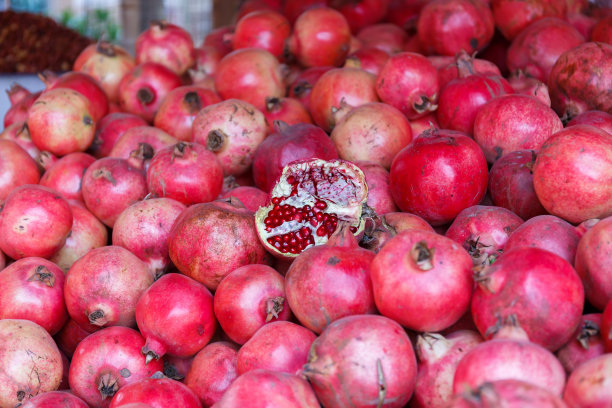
(17, 168)
(289, 110)
(308, 202)
(585, 344)
(155, 393)
(31, 362)
(251, 197)
(602, 120)
(384, 376)
(511, 393)
(166, 44)
(231, 129)
(265, 29)
(141, 142)
(60, 399)
(389, 225)
(512, 16)
(590, 384)
(110, 129)
(65, 175)
(103, 286)
(571, 177)
(302, 85)
(531, 284)
(527, 85)
(107, 360)
(379, 193)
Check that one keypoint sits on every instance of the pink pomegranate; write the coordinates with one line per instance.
(438, 359)
(18, 132)
(265, 29)
(206, 61)
(21, 100)
(59, 399)
(141, 142)
(590, 384)
(389, 225)
(546, 232)
(155, 392)
(514, 122)
(512, 16)
(451, 158)
(335, 377)
(17, 168)
(69, 337)
(31, 362)
(251, 75)
(212, 372)
(571, 177)
(103, 286)
(166, 44)
(369, 59)
(208, 241)
(251, 197)
(593, 260)
(231, 129)
(65, 175)
(379, 193)
(483, 231)
(511, 393)
(106, 361)
(409, 82)
(372, 132)
(586, 343)
(526, 85)
(446, 27)
(302, 85)
(45, 160)
(576, 87)
(602, 120)
(61, 122)
(288, 110)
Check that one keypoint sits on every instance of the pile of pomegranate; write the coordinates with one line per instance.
(365, 203)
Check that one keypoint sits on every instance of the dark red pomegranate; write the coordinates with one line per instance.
(110, 128)
(362, 13)
(405, 13)
(59, 399)
(602, 120)
(511, 393)
(69, 337)
(586, 343)
(265, 29)
(590, 384)
(602, 31)
(512, 16)
(166, 44)
(17, 168)
(65, 175)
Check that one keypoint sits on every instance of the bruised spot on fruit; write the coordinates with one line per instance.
(333, 261)
(125, 373)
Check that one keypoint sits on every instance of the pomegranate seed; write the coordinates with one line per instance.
(321, 205)
(353, 229)
(321, 231)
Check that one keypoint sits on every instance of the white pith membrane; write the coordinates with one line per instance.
(340, 184)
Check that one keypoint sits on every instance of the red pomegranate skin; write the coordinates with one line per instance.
(131, 140)
(337, 366)
(69, 337)
(288, 110)
(512, 16)
(213, 371)
(546, 232)
(602, 31)
(248, 298)
(511, 184)
(55, 399)
(449, 69)
(571, 174)
(156, 393)
(301, 87)
(370, 59)
(18, 112)
(446, 27)
(593, 263)
(210, 240)
(167, 44)
(19, 133)
(175, 316)
(265, 29)
(606, 327)
(363, 13)
(110, 128)
(265, 388)
(379, 193)
(389, 225)
(530, 86)
(84, 84)
(277, 346)
(514, 122)
(106, 361)
(35, 221)
(438, 175)
(251, 197)
(17, 168)
(532, 284)
(65, 175)
(586, 343)
(602, 120)
(590, 384)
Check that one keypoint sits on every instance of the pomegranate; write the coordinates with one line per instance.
(273, 388)
(337, 379)
(251, 75)
(585, 344)
(277, 346)
(69, 337)
(18, 132)
(446, 27)
(379, 193)
(514, 122)
(302, 85)
(219, 39)
(231, 129)
(59, 399)
(571, 177)
(452, 159)
(17, 168)
(531, 284)
(210, 240)
(35, 221)
(593, 260)
(31, 362)
(107, 63)
(438, 359)
(179, 109)
(449, 69)
(143, 89)
(61, 122)
(606, 327)
(288, 110)
(536, 48)
(103, 286)
(389, 225)
(509, 355)
(166, 44)
(483, 231)
(251, 197)
(265, 29)
(45, 160)
(363, 13)
(20, 105)
(510, 393)
(369, 59)
(248, 298)
(141, 141)
(522, 84)
(143, 229)
(110, 129)
(602, 120)
(546, 232)
(579, 78)
(206, 61)
(65, 175)
(372, 132)
(212, 372)
(590, 384)
(156, 392)
(409, 82)
(383, 36)
(512, 16)
(602, 31)
(176, 368)
(106, 361)
(292, 9)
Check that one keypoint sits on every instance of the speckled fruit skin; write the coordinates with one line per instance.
(511, 393)
(572, 176)
(55, 399)
(438, 175)
(602, 120)
(156, 393)
(590, 385)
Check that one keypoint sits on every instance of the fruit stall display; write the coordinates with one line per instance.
(372, 203)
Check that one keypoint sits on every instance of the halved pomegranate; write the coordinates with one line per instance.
(307, 203)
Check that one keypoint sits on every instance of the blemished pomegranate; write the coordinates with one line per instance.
(571, 177)
(586, 343)
(307, 203)
(451, 158)
(509, 286)
(58, 399)
(107, 360)
(212, 372)
(288, 110)
(232, 130)
(31, 362)
(155, 392)
(602, 120)
(35, 221)
(65, 175)
(166, 44)
(590, 384)
(265, 29)
(335, 377)
(33, 289)
(210, 240)
(512, 16)
(511, 393)
(17, 168)
(379, 193)
(103, 287)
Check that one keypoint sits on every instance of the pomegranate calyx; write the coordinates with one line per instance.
(106, 48)
(143, 152)
(145, 96)
(103, 173)
(280, 126)
(422, 256)
(158, 24)
(301, 87)
(273, 307)
(272, 103)
(431, 346)
(216, 140)
(424, 104)
(179, 150)
(97, 318)
(193, 102)
(43, 275)
(589, 329)
(149, 355)
(171, 372)
(108, 385)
